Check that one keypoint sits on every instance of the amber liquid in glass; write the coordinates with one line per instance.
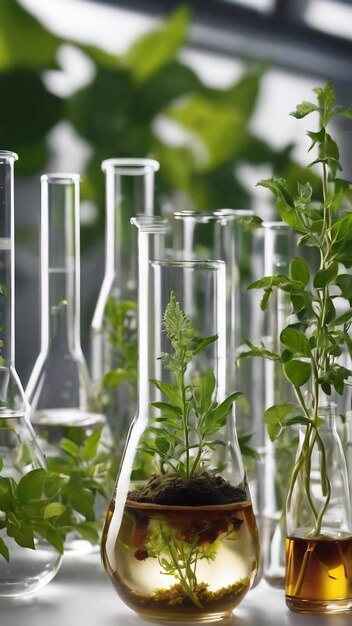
(216, 546)
(319, 574)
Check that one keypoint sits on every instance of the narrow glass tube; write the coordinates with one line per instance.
(129, 192)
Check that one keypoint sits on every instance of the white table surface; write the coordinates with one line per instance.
(82, 595)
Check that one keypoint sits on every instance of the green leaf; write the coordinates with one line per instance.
(278, 187)
(275, 418)
(299, 270)
(347, 113)
(55, 539)
(344, 282)
(31, 486)
(91, 444)
(22, 535)
(26, 126)
(258, 351)
(156, 48)
(295, 341)
(71, 448)
(24, 41)
(89, 531)
(297, 372)
(172, 392)
(202, 343)
(303, 109)
(162, 445)
(4, 551)
(54, 509)
(326, 276)
(216, 130)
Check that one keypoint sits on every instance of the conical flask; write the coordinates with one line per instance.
(180, 539)
(59, 388)
(28, 569)
(129, 192)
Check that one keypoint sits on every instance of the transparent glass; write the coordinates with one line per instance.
(319, 526)
(278, 248)
(224, 234)
(28, 570)
(59, 388)
(129, 192)
(180, 541)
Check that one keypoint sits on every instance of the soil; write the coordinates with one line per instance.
(201, 490)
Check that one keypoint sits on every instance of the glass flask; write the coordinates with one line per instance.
(129, 192)
(225, 234)
(319, 525)
(278, 244)
(180, 540)
(59, 389)
(27, 570)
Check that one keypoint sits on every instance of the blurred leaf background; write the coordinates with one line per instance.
(125, 111)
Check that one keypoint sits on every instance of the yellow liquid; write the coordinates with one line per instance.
(319, 574)
(227, 532)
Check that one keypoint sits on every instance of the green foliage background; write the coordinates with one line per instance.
(116, 114)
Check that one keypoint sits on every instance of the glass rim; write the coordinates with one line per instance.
(130, 166)
(61, 178)
(189, 264)
(8, 156)
(150, 223)
(275, 225)
(216, 215)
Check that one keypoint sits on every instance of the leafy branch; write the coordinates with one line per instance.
(314, 340)
(182, 435)
(50, 503)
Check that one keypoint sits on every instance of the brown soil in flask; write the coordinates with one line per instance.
(182, 563)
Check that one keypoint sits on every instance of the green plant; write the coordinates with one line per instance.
(119, 110)
(184, 432)
(60, 499)
(317, 333)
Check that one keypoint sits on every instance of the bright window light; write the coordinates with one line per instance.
(260, 5)
(330, 17)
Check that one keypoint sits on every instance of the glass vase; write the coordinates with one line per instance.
(27, 569)
(180, 540)
(63, 405)
(318, 523)
(129, 192)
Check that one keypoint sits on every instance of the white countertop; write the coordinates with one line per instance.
(81, 595)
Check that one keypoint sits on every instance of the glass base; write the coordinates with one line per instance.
(299, 605)
(186, 618)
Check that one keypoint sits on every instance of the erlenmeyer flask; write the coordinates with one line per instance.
(59, 388)
(129, 192)
(180, 539)
(28, 569)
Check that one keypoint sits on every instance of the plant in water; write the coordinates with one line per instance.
(181, 442)
(316, 337)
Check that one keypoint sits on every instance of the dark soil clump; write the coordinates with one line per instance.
(199, 491)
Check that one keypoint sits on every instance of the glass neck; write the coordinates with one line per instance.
(60, 261)
(129, 192)
(198, 286)
(7, 259)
